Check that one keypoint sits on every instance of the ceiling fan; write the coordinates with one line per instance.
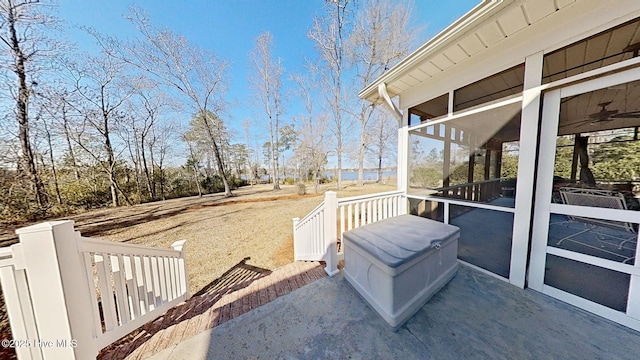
(605, 115)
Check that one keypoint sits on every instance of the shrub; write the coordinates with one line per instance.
(289, 181)
(301, 188)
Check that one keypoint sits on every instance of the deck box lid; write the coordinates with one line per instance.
(397, 240)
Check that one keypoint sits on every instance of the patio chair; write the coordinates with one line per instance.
(621, 231)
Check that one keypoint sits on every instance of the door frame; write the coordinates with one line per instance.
(543, 209)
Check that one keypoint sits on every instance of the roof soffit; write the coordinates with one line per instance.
(483, 27)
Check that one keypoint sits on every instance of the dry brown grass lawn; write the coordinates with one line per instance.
(220, 232)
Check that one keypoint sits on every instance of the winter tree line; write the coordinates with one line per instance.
(82, 130)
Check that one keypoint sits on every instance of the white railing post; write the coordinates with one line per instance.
(59, 290)
(331, 232)
(296, 237)
(183, 275)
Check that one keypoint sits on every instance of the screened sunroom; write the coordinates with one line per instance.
(519, 124)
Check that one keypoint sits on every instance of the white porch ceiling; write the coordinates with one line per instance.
(487, 24)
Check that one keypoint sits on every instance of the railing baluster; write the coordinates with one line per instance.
(175, 283)
(395, 205)
(106, 291)
(147, 275)
(316, 233)
(446, 212)
(342, 222)
(385, 208)
(350, 216)
(161, 279)
(89, 267)
(356, 216)
(376, 209)
(322, 247)
(132, 285)
(167, 278)
(120, 291)
(157, 291)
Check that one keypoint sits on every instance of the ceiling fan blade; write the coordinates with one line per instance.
(577, 123)
(629, 115)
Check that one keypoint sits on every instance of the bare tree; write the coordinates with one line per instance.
(267, 86)
(193, 161)
(380, 38)
(310, 150)
(104, 91)
(22, 27)
(162, 140)
(381, 134)
(65, 112)
(144, 116)
(246, 126)
(199, 75)
(48, 109)
(49, 136)
(328, 33)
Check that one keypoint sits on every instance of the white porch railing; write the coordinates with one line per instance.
(68, 296)
(316, 235)
(478, 191)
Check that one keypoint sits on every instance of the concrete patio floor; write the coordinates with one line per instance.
(475, 316)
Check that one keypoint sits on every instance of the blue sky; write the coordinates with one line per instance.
(229, 28)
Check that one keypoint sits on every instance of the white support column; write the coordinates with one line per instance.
(331, 232)
(59, 290)
(403, 159)
(182, 268)
(526, 168)
(633, 305)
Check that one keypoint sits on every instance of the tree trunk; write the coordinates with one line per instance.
(338, 114)
(363, 144)
(111, 160)
(274, 163)
(152, 176)
(217, 154)
(22, 104)
(162, 196)
(195, 175)
(135, 158)
(216, 151)
(150, 187)
(67, 136)
(53, 165)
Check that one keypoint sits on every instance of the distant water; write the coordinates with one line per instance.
(368, 175)
(347, 175)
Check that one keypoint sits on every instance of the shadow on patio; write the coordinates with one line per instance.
(474, 316)
(240, 289)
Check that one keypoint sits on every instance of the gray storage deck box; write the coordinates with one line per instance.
(399, 263)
